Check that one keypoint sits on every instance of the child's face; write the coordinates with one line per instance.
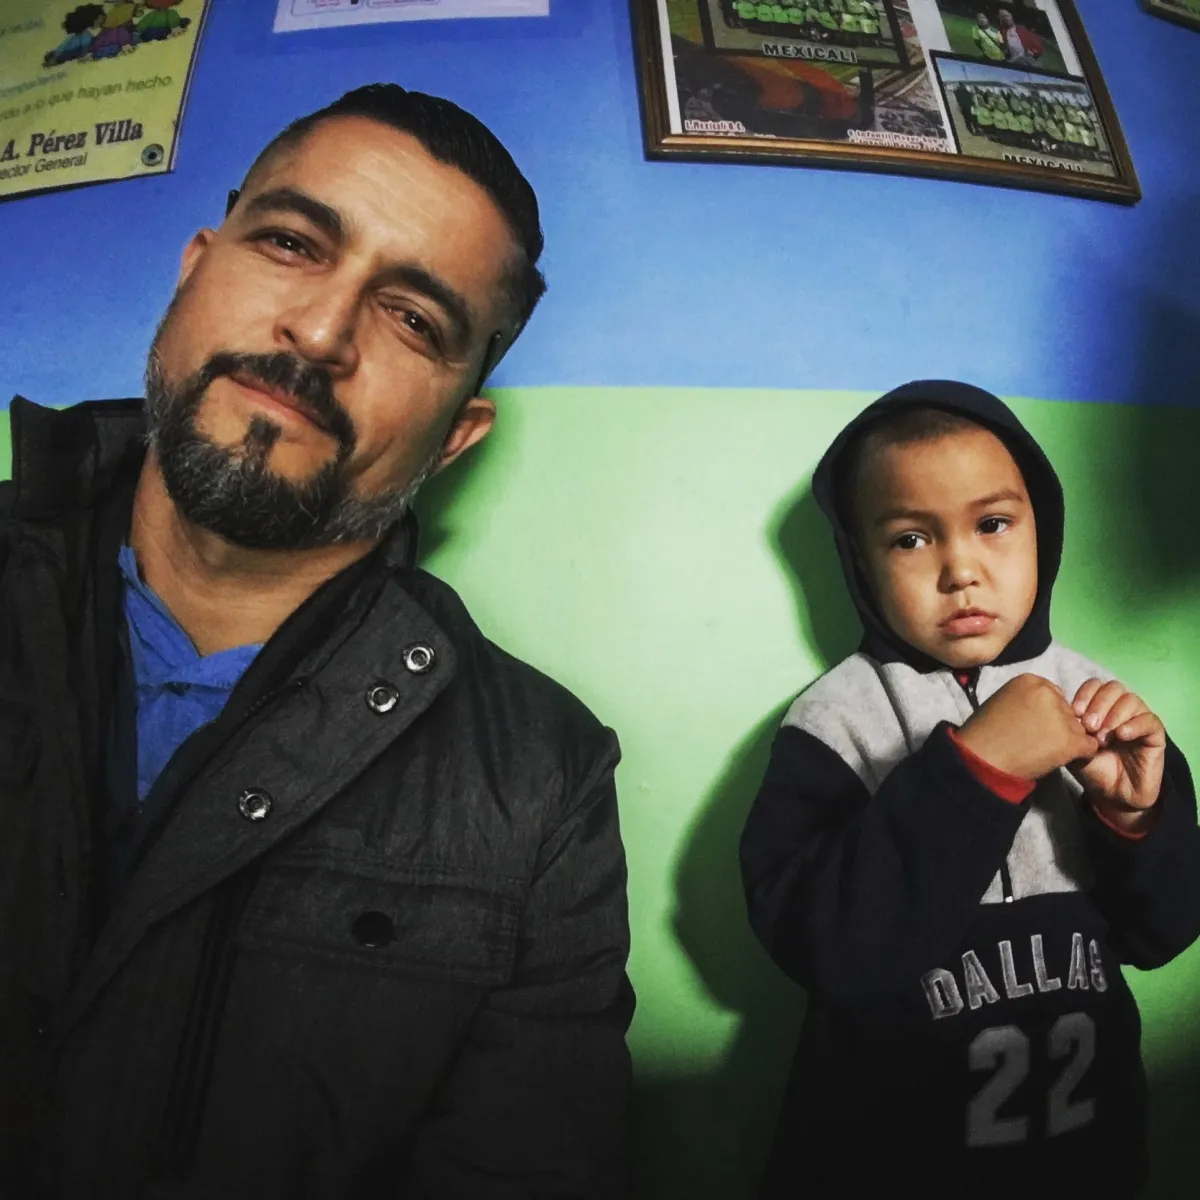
(948, 543)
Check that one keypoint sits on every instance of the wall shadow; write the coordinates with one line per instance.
(1159, 480)
(1162, 485)
(803, 544)
(1164, 463)
(1174, 1115)
(707, 1137)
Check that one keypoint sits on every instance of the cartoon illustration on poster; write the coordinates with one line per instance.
(91, 92)
(321, 14)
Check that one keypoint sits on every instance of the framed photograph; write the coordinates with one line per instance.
(1184, 12)
(1007, 94)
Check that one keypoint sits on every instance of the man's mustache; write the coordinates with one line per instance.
(311, 386)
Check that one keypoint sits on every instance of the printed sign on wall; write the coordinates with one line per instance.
(320, 14)
(92, 92)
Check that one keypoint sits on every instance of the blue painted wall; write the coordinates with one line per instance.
(669, 274)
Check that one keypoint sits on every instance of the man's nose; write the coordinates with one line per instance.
(320, 324)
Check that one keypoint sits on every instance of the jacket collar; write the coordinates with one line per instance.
(64, 459)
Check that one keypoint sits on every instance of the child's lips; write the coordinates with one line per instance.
(969, 622)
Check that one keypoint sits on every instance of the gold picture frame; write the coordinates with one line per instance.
(1020, 103)
(1182, 12)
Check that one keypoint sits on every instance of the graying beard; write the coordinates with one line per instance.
(238, 486)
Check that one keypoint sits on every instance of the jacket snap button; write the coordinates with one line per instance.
(374, 929)
(382, 698)
(254, 804)
(418, 658)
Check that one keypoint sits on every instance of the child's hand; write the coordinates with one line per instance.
(1028, 729)
(1125, 776)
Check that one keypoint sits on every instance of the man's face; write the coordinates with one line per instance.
(948, 543)
(321, 350)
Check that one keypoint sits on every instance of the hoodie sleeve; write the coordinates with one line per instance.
(1149, 889)
(854, 894)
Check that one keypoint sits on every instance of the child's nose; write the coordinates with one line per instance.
(959, 569)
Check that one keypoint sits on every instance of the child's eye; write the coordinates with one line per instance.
(909, 541)
(994, 524)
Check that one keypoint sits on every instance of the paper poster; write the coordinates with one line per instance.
(320, 14)
(92, 92)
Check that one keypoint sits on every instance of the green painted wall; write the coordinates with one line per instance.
(659, 551)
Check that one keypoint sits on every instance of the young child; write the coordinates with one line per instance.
(964, 829)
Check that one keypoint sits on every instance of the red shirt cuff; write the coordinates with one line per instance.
(1008, 787)
(1133, 835)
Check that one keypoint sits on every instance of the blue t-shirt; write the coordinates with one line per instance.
(177, 688)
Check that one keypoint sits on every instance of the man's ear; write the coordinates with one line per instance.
(193, 252)
(472, 423)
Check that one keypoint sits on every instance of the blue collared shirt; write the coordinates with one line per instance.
(177, 688)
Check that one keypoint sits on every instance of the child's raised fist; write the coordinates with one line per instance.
(1028, 729)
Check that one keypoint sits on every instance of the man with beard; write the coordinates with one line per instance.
(306, 888)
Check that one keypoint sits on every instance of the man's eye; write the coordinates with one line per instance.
(287, 242)
(994, 524)
(415, 322)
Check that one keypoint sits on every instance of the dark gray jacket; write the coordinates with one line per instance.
(368, 936)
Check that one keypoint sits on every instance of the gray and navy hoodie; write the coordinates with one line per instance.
(968, 1029)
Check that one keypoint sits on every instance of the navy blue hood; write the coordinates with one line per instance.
(1045, 492)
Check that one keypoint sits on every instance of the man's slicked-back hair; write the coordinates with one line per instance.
(456, 138)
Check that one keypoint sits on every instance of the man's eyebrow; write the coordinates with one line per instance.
(438, 290)
(290, 200)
